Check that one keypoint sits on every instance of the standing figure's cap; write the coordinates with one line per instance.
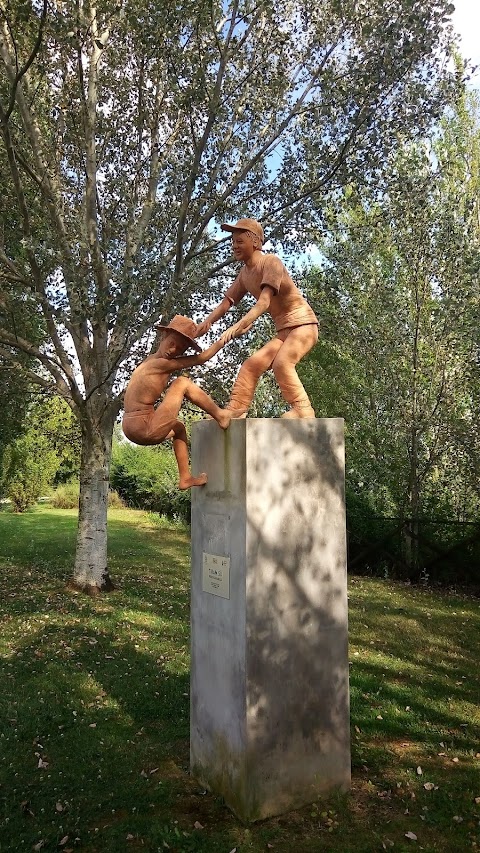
(184, 327)
(246, 225)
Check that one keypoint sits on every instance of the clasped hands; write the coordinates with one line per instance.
(235, 331)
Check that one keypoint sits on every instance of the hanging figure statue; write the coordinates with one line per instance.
(144, 424)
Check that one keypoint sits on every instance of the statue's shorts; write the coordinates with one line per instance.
(148, 426)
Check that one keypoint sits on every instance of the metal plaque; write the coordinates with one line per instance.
(216, 575)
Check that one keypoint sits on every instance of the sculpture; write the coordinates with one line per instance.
(145, 425)
(267, 279)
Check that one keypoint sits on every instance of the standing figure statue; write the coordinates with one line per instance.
(142, 423)
(268, 280)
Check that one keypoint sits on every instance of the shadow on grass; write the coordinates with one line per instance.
(414, 703)
(42, 541)
(94, 710)
(101, 727)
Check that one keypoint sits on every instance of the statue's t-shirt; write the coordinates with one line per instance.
(288, 307)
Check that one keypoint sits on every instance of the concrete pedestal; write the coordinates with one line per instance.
(269, 680)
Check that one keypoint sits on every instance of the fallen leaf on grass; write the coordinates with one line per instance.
(419, 771)
(411, 836)
(429, 786)
(198, 825)
(39, 846)
(477, 800)
(42, 765)
(63, 841)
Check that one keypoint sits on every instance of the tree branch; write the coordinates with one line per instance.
(20, 72)
(34, 377)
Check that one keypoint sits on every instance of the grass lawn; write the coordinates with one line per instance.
(94, 709)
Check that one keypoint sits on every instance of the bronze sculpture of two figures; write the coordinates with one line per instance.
(267, 279)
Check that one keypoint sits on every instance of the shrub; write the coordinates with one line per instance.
(66, 497)
(114, 500)
(21, 496)
(147, 478)
(27, 472)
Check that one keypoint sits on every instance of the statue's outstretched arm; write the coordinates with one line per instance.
(247, 321)
(216, 314)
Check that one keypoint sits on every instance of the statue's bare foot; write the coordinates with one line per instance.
(301, 412)
(232, 414)
(239, 412)
(227, 415)
(188, 482)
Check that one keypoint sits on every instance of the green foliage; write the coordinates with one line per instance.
(61, 428)
(48, 450)
(22, 495)
(147, 478)
(131, 130)
(397, 300)
(66, 496)
(15, 394)
(397, 297)
(97, 689)
(114, 500)
(29, 468)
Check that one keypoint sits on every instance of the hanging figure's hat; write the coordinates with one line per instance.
(182, 326)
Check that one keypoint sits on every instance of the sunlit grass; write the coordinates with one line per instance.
(94, 708)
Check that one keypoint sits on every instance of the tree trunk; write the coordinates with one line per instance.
(411, 528)
(91, 572)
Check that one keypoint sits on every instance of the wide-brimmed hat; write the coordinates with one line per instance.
(184, 327)
(246, 225)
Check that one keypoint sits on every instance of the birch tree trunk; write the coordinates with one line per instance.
(90, 570)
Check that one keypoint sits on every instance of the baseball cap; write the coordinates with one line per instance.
(245, 225)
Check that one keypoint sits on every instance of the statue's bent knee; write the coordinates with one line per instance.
(253, 366)
(182, 382)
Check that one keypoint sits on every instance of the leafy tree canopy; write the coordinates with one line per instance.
(132, 129)
(398, 299)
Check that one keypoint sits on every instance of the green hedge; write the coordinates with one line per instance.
(67, 495)
(147, 478)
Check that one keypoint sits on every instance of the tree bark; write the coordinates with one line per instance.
(91, 570)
